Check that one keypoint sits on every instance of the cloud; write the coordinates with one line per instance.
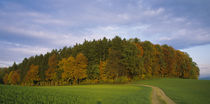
(30, 50)
(23, 49)
(98, 17)
(151, 12)
(205, 72)
(4, 63)
(179, 23)
(122, 30)
(11, 52)
(185, 38)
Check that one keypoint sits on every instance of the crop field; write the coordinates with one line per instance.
(183, 91)
(82, 94)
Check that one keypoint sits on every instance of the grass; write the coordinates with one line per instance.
(82, 94)
(183, 91)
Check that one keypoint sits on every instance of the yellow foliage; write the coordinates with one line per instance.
(32, 74)
(74, 69)
(102, 70)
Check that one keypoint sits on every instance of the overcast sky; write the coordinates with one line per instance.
(29, 27)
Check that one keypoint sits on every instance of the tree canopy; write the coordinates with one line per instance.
(103, 60)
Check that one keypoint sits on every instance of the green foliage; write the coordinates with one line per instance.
(93, 72)
(122, 79)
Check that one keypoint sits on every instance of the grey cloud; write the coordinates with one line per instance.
(179, 23)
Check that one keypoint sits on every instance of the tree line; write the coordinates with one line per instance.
(101, 61)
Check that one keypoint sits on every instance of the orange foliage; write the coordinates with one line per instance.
(50, 72)
(74, 69)
(102, 70)
(32, 74)
(140, 49)
(5, 79)
(14, 77)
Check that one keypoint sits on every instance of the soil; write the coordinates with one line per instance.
(158, 96)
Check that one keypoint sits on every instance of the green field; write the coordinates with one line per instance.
(183, 91)
(82, 94)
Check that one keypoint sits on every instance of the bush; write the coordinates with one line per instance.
(88, 81)
(122, 79)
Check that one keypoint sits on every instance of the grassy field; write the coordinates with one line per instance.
(183, 91)
(83, 94)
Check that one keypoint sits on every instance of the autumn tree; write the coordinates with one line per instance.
(32, 76)
(5, 79)
(50, 73)
(67, 65)
(14, 77)
(158, 62)
(102, 67)
(74, 69)
(148, 57)
(140, 60)
(81, 67)
(106, 59)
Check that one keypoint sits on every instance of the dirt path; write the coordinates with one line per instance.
(159, 97)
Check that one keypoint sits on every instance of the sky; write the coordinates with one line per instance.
(30, 27)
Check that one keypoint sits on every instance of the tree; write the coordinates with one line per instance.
(50, 73)
(67, 65)
(14, 66)
(74, 69)
(114, 66)
(148, 57)
(32, 76)
(81, 67)
(194, 72)
(106, 59)
(3, 71)
(102, 67)
(93, 73)
(5, 79)
(14, 77)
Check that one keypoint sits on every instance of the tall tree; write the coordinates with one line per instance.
(114, 63)
(148, 57)
(102, 67)
(14, 77)
(74, 69)
(5, 79)
(67, 65)
(104, 60)
(50, 73)
(81, 67)
(32, 76)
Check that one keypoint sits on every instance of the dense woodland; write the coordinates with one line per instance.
(101, 61)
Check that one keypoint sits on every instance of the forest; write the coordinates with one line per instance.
(105, 60)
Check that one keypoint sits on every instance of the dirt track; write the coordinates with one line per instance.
(159, 97)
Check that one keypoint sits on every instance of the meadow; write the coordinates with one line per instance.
(81, 94)
(183, 91)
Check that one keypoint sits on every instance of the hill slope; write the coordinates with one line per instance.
(183, 91)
